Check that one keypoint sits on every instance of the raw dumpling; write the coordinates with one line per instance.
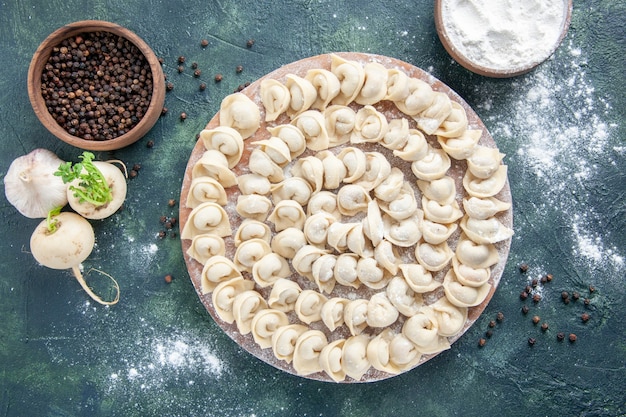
(354, 356)
(287, 213)
(275, 98)
(380, 311)
(397, 85)
(203, 189)
(484, 162)
(333, 311)
(284, 341)
(431, 118)
(316, 228)
(261, 163)
(378, 352)
(370, 126)
(432, 166)
(331, 362)
(442, 190)
(355, 316)
(463, 295)
(403, 353)
(334, 170)
(418, 278)
(355, 161)
(276, 149)
(224, 295)
(214, 164)
(461, 147)
(339, 124)
(264, 324)
(217, 269)
(288, 242)
(337, 235)
(373, 226)
(375, 86)
(436, 233)
(303, 260)
(484, 208)
(397, 134)
(270, 268)
(313, 125)
(403, 206)
(252, 229)
(326, 84)
(433, 257)
(406, 232)
(245, 306)
(239, 112)
(323, 201)
(420, 97)
(450, 318)
(441, 213)
(415, 148)
(377, 169)
(207, 217)
(323, 273)
(253, 206)
(455, 124)
(351, 76)
(485, 231)
(308, 306)
(307, 352)
(371, 274)
(292, 136)
(303, 94)
(206, 245)
(387, 257)
(352, 199)
(423, 330)
(292, 188)
(403, 298)
(284, 294)
(253, 184)
(389, 189)
(473, 277)
(311, 169)
(476, 255)
(484, 188)
(250, 252)
(226, 140)
(345, 270)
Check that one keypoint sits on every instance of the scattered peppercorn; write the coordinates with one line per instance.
(183, 116)
(492, 323)
(534, 283)
(150, 143)
(536, 319)
(168, 278)
(587, 301)
(536, 298)
(181, 59)
(162, 234)
(523, 267)
(575, 295)
(173, 235)
(560, 336)
(564, 295)
(194, 65)
(544, 326)
(592, 288)
(525, 309)
(202, 86)
(181, 69)
(544, 279)
(250, 43)
(572, 337)
(168, 225)
(500, 316)
(239, 69)
(169, 86)
(197, 73)
(164, 111)
(204, 43)
(481, 342)
(549, 277)
(132, 173)
(171, 202)
(523, 295)
(585, 317)
(532, 341)
(163, 219)
(161, 60)
(528, 289)
(489, 333)
(218, 78)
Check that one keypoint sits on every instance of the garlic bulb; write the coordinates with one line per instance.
(31, 186)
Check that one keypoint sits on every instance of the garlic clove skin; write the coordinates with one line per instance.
(31, 186)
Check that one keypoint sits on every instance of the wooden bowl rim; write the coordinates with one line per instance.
(493, 72)
(40, 57)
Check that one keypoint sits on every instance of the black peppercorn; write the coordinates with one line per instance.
(169, 86)
(536, 319)
(585, 317)
(218, 78)
(525, 309)
(171, 202)
(181, 59)
(572, 337)
(560, 336)
(202, 86)
(481, 342)
(532, 341)
(181, 68)
(492, 323)
(523, 267)
(150, 144)
(183, 116)
(204, 43)
(544, 326)
(250, 43)
(239, 69)
(500, 316)
(197, 73)
(194, 65)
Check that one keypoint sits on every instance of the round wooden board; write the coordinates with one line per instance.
(457, 172)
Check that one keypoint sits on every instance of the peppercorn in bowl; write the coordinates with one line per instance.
(96, 85)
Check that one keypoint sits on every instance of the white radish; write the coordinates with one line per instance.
(64, 241)
(117, 186)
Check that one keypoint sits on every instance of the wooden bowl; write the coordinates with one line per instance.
(40, 59)
(496, 72)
